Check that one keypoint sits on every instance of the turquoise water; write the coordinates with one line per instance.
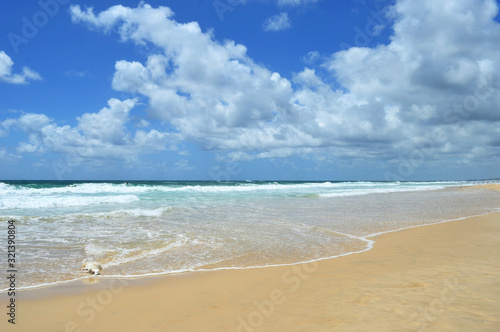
(159, 227)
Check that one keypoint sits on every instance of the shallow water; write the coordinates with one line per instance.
(166, 227)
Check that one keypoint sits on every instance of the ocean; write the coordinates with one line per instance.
(146, 228)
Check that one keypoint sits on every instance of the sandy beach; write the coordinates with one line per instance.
(250, 166)
(442, 277)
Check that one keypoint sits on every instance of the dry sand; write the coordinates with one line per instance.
(443, 277)
(491, 186)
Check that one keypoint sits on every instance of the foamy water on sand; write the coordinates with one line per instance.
(167, 227)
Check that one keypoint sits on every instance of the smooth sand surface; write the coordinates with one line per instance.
(443, 277)
(491, 186)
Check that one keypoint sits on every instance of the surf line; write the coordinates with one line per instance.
(11, 270)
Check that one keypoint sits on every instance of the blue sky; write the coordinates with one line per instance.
(250, 89)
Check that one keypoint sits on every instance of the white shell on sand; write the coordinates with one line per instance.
(92, 267)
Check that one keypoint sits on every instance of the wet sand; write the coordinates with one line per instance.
(443, 277)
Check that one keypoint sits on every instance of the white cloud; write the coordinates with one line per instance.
(6, 158)
(101, 135)
(203, 96)
(32, 122)
(155, 140)
(142, 123)
(6, 74)
(183, 165)
(437, 77)
(108, 125)
(278, 22)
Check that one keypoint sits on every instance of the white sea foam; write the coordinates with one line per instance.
(95, 194)
(126, 256)
(164, 228)
(37, 202)
(365, 191)
(126, 213)
(109, 188)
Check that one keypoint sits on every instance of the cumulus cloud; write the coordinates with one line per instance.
(434, 85)
(6, 74)
(278, 22)
(433, 75)
(203, 96)
(101, 135)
